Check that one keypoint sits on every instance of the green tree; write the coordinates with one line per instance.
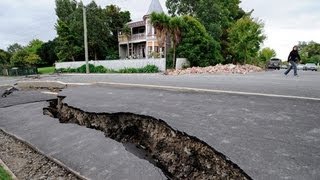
(167, 26)
(34, 45)
(115, 20)
(102, 24)
(27, 56)
(4, 58)
(32, 59)
(13, 48)
(245, 38)
(175, 25)
(197, 45)
(18, 59)
(161, 22)
(47, 52)
(65, 10)
(97, 31)
(32, 48)
(216, 15)
(310, 52)
(266, 53)
(69, 29)
(68, 42)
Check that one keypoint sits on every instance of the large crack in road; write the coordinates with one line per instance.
(177, 154)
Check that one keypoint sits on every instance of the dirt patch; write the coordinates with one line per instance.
(26, 163)
(179, 155)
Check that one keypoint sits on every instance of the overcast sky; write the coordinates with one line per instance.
(286, 21)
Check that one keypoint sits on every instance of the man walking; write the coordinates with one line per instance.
(293, 58)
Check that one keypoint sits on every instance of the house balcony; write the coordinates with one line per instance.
(133, 38)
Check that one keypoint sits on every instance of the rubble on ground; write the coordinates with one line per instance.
(218, 69)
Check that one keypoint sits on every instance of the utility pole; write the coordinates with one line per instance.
(85, 39)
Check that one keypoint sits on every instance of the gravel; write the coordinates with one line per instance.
(26, 163)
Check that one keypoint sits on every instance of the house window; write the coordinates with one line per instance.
(156, 49)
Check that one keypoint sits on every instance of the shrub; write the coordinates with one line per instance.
(150, 69)
(101, 69)
(129, 70)
(82, 69)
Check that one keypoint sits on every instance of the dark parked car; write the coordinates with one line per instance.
(274, 63)
(310, 67)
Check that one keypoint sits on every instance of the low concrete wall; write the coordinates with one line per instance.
(181, 63)
(117, 64)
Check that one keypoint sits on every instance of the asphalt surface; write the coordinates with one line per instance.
(272, 82)
(23, 97)
(83, 150)
(268, 137)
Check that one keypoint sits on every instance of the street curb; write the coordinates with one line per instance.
(5, 85)
(5, 167)
(42, 84)
(77, 174)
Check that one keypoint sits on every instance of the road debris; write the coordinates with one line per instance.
(218, 69)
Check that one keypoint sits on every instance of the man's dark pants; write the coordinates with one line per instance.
(294, 66)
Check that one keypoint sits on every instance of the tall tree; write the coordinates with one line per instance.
(97, 31)
(266, 54)
(47, 52)
(32, 48)
(175, 25)
(65, 10)
(115, 20)
(68, 42)
(18, 59)
(103, 25)
(189, 39)
(310, 52)
(69, 29)
(197, 45)
(13, 48)
(27, 56)
(161, 22)
(216, 15)
(246, 35)
(4, 58)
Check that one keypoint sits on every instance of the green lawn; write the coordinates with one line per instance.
(46, 70)
(4, 175)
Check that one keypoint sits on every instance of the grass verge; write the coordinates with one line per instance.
(46, 70)
(4, 175)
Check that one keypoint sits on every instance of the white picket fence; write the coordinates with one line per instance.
(117, 64)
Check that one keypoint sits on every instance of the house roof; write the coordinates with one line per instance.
(155, 6)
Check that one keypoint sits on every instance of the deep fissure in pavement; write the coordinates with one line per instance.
(177, 154)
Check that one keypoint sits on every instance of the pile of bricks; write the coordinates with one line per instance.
(218, 69)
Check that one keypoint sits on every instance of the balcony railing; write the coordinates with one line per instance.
(134, 37)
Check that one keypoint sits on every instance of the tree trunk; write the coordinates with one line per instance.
(174, 56)
(165, 48)
(72, 57)
(95, 55)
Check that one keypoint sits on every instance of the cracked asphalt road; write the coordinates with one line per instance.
(268, 137)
